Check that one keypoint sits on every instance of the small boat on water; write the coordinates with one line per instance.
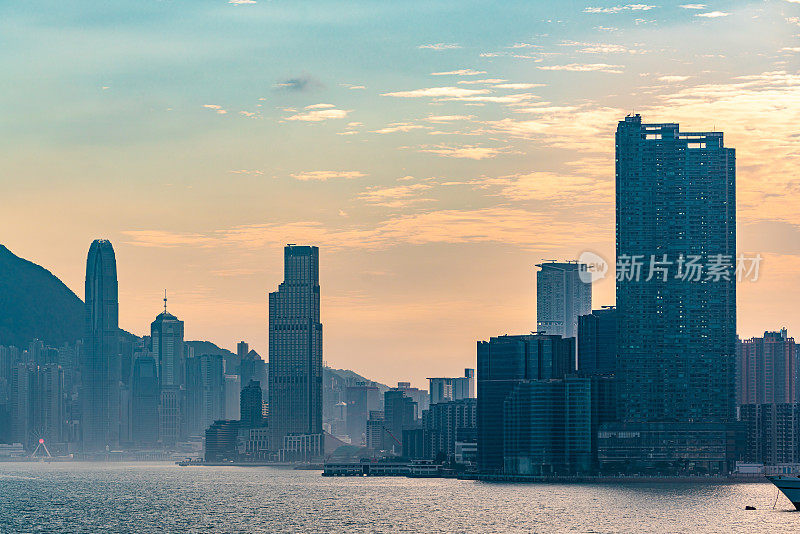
(789, 485)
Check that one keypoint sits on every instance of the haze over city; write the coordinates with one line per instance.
(433, 163)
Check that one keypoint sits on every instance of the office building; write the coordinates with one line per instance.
(144, 400)
(597, 342)
(221, 441)
(563, 293)
(233, 390)
(676, 209)
(399, 413)
(445, 422)
(452, 389)
(295, 348)
(101, 369)
(205, 386)
(251, 406)
(361, 399)
(504, 362)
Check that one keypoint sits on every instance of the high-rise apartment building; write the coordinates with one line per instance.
(767, 369)
(452, 389)
(101, 369)
(295, 348)
(676, 291)
(563, 293)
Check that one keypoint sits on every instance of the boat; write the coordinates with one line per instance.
(789, 485)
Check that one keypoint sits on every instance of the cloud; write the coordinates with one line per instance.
(437, 92)
(462, 72)
(693, 6)
(559, 190)
(399, 127)
(585, 67)
(247, 171)
(241, 2)
(447, 118)
(214, 107)
(506, 225)
(395, 197)
(464, 152)
(165, 239)
(322, 176)
(505, 99)
(318, 115)
(440, 46)
(712, 14)
(618, 9)
(299, 84)
(320, 106)
(673, 78)
(518, 85)
(483, 81)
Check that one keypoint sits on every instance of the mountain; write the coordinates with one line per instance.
(34, 304)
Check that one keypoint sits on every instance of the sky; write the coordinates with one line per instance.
(435, 151)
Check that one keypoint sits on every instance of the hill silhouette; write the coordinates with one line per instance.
(35, 304)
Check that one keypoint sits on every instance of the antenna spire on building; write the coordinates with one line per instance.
(165, 301)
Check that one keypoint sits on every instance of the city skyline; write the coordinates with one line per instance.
(484, 147)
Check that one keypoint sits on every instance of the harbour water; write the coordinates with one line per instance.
(122, 498)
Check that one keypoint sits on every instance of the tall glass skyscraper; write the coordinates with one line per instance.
(295, 348)
(101, 372)
(676, 292)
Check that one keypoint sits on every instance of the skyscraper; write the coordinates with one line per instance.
(767, 369)
(446, 389)
(504, 363)
(295, 348)
(676, 232)
(144, 400)
(101, 370)
(166, 334)
(561, 296)
(597, 342)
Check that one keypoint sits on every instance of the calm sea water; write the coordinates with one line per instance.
(93, 498)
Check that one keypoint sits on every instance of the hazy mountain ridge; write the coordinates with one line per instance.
(35, 304)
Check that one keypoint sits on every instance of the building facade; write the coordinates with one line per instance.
(676, 290)
(295, 348)
(563, 293)
(101, 369)
(452, 389)
(597, 342)
(767, 369)
(504, 362)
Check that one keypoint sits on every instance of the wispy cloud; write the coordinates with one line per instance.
(518, 85)
(440, 46)
(216, 108)
(483, 81)
(693, 6)
(618, 9)
(465, 152)
(318, 113)
(299, 83)
(322, 176)
(585, 67)
(241, 2)
(395, 197)
(461, 72)
(437, 92)
(673, 78)
(399, 127)
(713, 14)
